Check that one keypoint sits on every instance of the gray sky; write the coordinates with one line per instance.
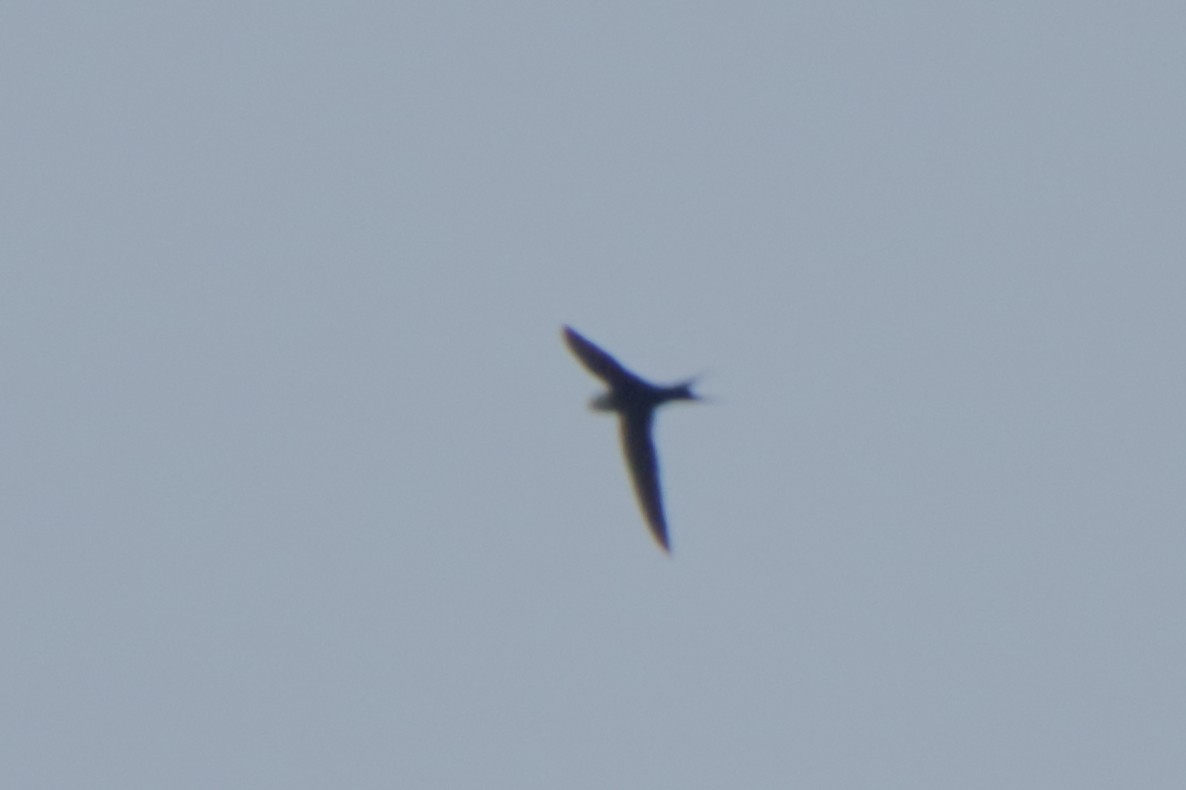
(299, 488)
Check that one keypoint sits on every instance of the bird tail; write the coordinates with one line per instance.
(683, 390)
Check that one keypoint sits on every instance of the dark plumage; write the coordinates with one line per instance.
(635, 401)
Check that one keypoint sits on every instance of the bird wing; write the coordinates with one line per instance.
(644, 471)
(598, 362)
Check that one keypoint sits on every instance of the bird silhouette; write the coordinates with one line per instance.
(635, 401)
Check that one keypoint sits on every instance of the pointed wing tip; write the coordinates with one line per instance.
(580, 345)
(658, 528)
(572, 338)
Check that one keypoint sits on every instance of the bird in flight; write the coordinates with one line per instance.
(635, 401)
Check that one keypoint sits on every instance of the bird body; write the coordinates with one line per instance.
(635, 401)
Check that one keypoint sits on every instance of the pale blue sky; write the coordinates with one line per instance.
(300, 489)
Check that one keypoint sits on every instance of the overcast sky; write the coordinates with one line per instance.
(299, 489)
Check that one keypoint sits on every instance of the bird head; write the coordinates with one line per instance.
(604, 402)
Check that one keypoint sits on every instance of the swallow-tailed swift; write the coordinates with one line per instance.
(635, 401)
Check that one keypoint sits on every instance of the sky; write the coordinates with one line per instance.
(299, 487)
